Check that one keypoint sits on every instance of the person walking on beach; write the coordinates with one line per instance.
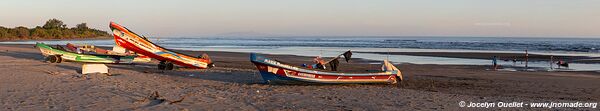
(552, 62)
(514, 61)
(494, 62)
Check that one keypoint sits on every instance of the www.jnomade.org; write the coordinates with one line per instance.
(523, 104)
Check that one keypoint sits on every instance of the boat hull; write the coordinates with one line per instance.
(133, 42)
(274, 72)
(88, 58)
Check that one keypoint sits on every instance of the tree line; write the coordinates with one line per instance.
(53, 29)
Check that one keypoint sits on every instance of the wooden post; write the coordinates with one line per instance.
(321, 53)
(388, 55)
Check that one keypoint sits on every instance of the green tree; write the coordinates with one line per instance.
(68, 34)
(39, 32)
(11, 34)
(53, 29)
(54, 33)
(81, 26)
(3, 32)
(22, 32)
(53, 24)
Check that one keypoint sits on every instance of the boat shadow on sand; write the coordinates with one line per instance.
(221, 74)
(214, 74)
(22, 55)
(38, 57)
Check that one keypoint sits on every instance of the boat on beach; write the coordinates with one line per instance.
(131, 41)
(59, 54)
(273, 71)
(117, 50)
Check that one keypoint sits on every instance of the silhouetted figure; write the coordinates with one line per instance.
(514, 61)
(494, 62)
(562, 63)
(526, 59)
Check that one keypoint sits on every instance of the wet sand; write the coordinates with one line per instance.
(28, 83)
(501, 56)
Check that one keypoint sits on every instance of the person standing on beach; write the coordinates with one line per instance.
(526, 59)
(551, 62)
(494, 62)
(514, 61)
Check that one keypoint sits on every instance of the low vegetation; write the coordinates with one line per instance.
(53, 29)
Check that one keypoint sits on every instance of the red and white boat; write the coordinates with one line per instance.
(275, 71)
(138, 44)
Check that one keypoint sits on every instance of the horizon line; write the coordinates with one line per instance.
(391, 36)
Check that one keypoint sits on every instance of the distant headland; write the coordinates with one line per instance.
(53, 29)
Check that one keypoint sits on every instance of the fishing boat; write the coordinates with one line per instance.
(117, 50)
(139, 44)
(273, 71)
(59, 54)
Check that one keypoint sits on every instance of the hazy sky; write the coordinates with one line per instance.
(170, 18)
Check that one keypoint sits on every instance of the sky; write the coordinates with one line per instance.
(196, 18)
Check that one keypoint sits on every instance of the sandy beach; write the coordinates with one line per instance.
(29, 83)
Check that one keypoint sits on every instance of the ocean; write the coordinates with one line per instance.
(331, 46)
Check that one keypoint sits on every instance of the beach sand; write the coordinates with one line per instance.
(29, 83)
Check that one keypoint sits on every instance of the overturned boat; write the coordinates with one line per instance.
(273, 71)
(139, 44)
(59, 54)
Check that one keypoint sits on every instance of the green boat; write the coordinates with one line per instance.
(58, 55)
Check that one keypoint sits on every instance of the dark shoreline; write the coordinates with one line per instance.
(501, 56)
